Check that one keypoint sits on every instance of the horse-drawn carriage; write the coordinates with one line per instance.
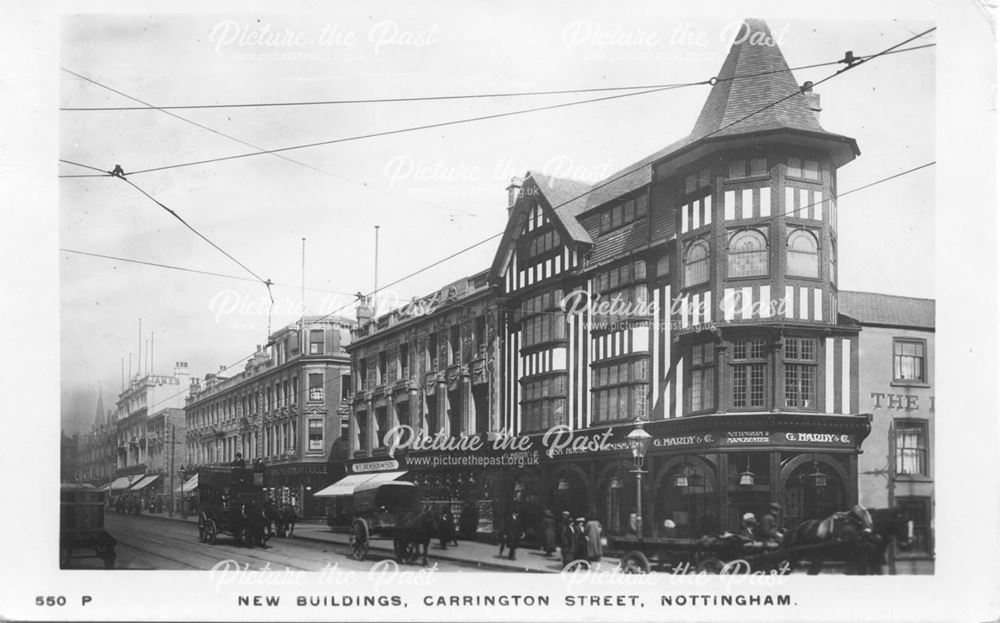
(232, 502)
(81, 525)
(390, 510)
(857, 538)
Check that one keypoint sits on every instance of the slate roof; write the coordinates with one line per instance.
(870, 308)
(768, 79)
(565, 196)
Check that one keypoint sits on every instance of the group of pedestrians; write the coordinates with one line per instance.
(768, 530)
(576, 539)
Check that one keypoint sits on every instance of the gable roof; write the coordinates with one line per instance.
(870, 308)
(568, 198)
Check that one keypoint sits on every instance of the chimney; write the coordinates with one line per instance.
(812, 99)
(365, 310)
(513, 191)
(181, 369)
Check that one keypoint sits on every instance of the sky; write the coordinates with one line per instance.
(431, 192)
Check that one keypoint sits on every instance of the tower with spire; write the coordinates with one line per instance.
(721, 249)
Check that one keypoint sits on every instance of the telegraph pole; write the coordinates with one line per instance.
(173, 446)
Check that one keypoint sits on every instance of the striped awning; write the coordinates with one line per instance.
(124, 482)
(347, 484)
(190, 485)
(145, 482)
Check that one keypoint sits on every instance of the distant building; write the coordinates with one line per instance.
(97, 448)
(896, 369)
(285, 408)
(68, 451)
(145, 395)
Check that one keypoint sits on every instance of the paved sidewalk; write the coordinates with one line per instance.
(469, 552)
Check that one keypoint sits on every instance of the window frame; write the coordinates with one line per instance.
(700, 243)
(923, 381)
(798, 361)
(732, 255)
(926, 505)
(811, 234)
(922, 449)
(706, 387)
(749, 364)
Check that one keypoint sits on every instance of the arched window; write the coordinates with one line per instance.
(747, 254)
(696, 263)
(803, 254)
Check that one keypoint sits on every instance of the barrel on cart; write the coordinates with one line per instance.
(81, 526)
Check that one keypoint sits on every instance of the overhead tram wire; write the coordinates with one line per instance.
(850, 65)
(629, 172)
(248, 144)
(195, 270)
(373, 293)
(857, 61)
(428, 126)
(430, 98)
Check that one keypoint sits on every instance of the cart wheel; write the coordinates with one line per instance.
(211, 532)
(359, 539)
(635, 562)
(710, 565)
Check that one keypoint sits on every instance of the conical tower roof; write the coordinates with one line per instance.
(754, 53)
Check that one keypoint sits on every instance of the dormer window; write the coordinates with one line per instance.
(624, 213)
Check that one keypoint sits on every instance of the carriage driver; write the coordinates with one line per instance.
(771, 528)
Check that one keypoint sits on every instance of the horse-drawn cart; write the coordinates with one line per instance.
(711, 554)
(232, 502)
(382, 510)
(81, 525)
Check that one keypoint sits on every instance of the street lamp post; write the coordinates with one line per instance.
(638, 441)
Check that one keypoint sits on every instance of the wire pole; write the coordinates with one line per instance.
(375, 290)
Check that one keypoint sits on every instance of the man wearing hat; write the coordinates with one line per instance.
(579, 539)
(771, 527)
(566, 538)
(749, 528)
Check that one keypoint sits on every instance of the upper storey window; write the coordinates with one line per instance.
(542, 243)
(624, 213)
(803, 254)
(747, 168)
(747, 254)
(694, 181)
(805, 169)
(696, 263)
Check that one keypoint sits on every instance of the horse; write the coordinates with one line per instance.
(254, 525)
(859, 537)
(414, 530)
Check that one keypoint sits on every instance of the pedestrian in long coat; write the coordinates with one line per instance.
(579, 540)
(567, 539)
(593, 531)
(549, 530)
(515, 530)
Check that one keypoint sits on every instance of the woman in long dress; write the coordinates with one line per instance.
(593, 531)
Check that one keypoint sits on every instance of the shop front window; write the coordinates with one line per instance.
(813, 491)
(685, 498)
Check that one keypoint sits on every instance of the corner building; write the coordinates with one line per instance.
(720, 251)
(695, 290)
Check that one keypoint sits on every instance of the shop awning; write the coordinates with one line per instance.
(190, 485)
(120, 484)
(104, 487)
(145, 482)
(347, 484)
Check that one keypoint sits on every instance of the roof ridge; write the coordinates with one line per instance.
(897, 296)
